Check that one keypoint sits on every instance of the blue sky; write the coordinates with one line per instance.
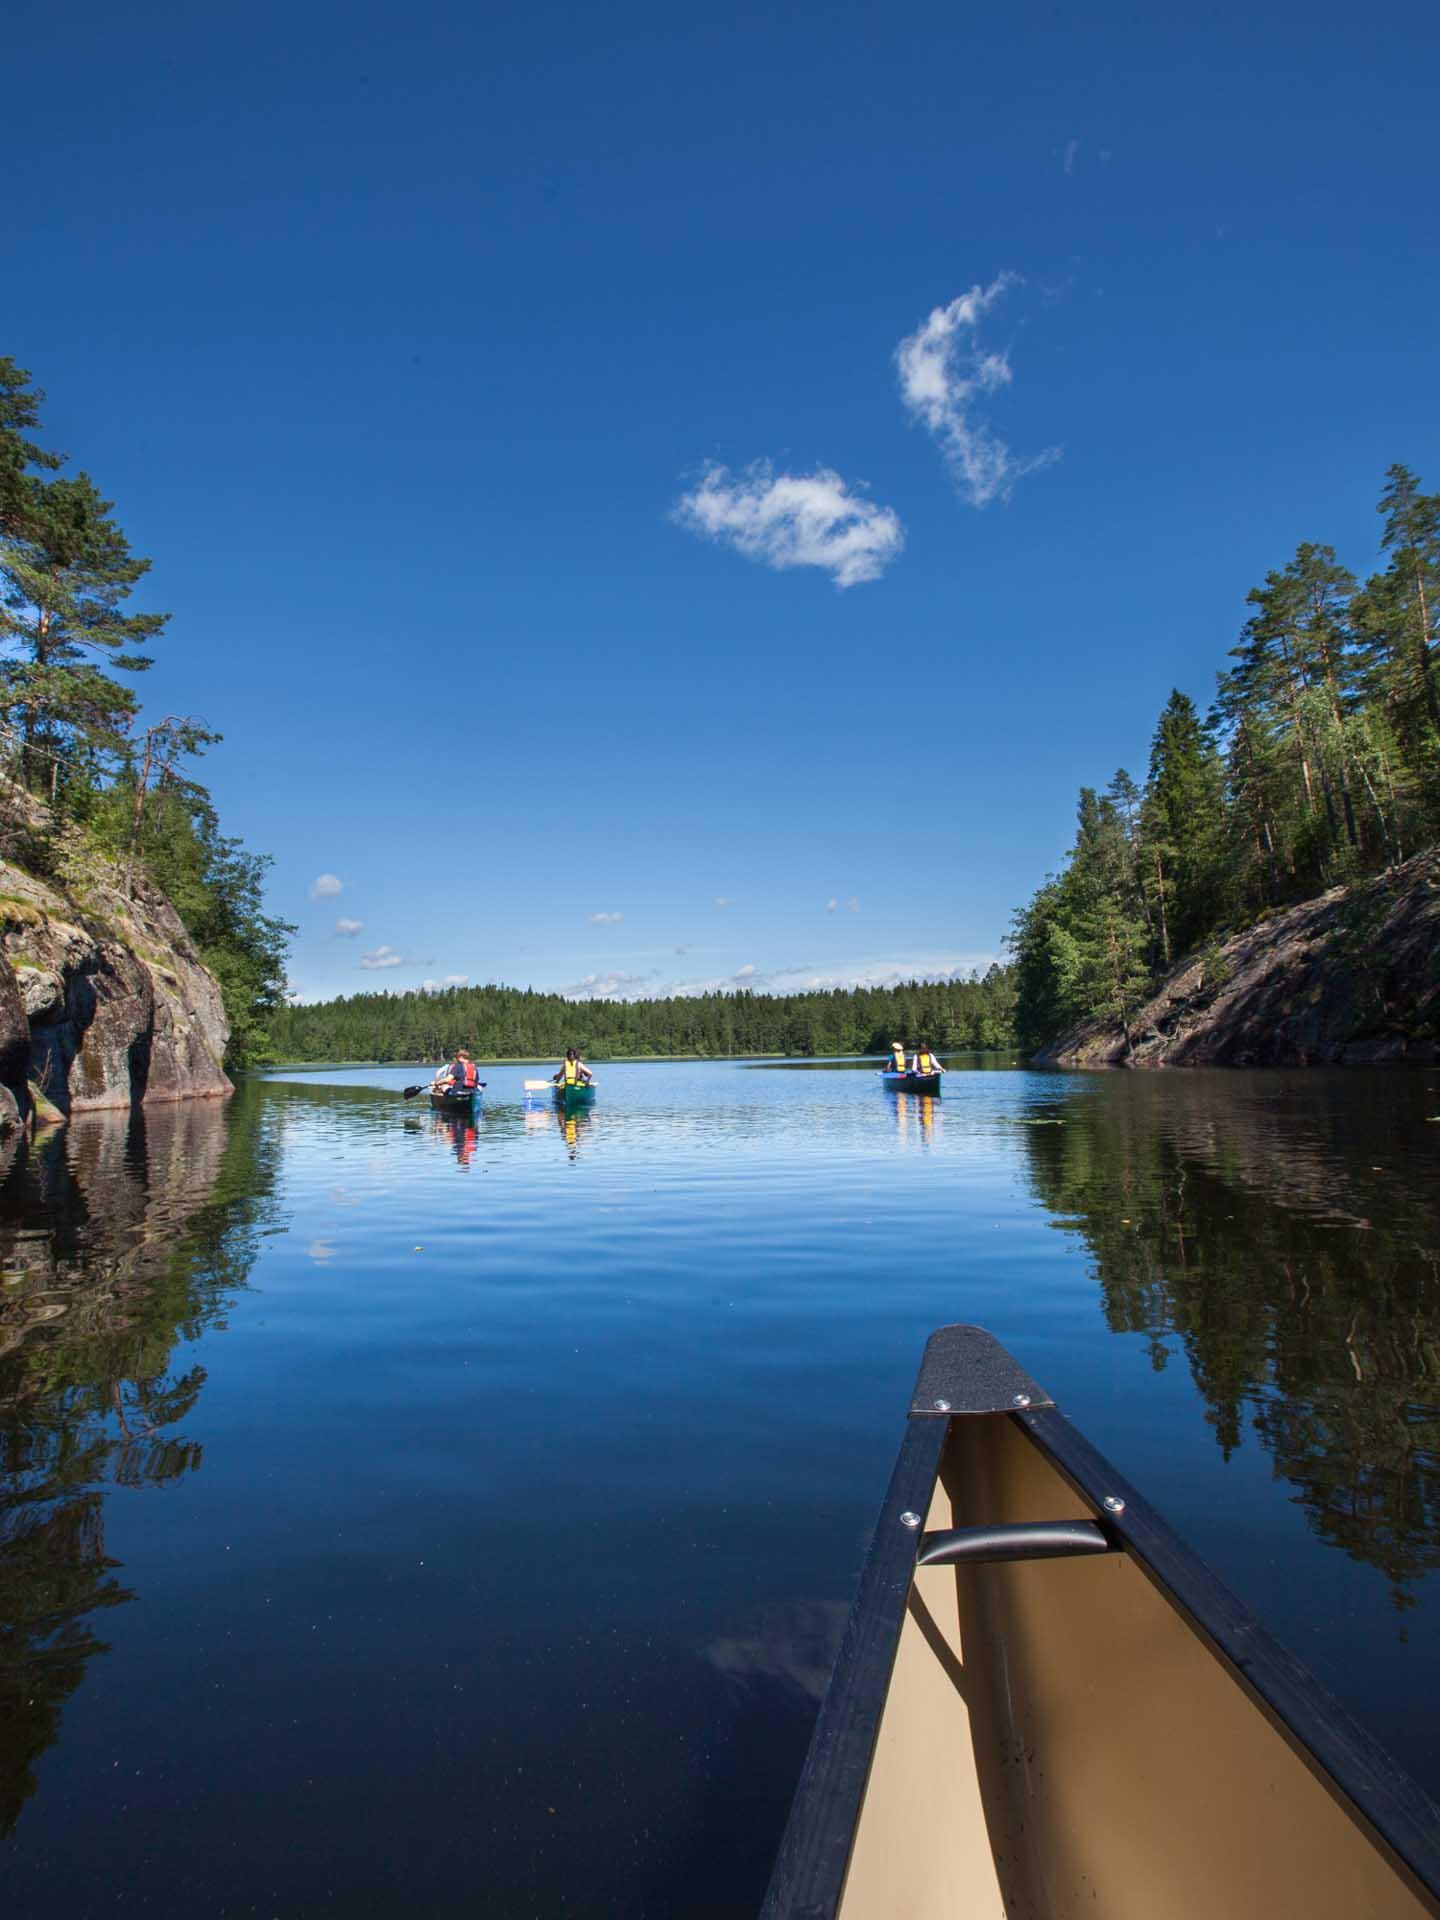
(518, 408)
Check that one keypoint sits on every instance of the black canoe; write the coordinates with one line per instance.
(911, 1082)
(1046, 1706)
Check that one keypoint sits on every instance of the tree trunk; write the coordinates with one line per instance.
(1164, 920)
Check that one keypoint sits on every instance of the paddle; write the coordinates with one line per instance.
(409, 1093)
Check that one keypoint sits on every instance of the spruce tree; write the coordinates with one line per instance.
(1182, 813)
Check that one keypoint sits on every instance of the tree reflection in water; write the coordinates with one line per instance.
(1298, 1270)
(120, 1236)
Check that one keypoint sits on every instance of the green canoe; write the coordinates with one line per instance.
(574, 1096)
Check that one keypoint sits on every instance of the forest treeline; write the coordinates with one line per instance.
(511, 1023)
(73, 734)
(1318, 762)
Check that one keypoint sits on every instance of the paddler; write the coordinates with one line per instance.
(925, 1061)
(897, 1057)
(573, 1071)
(461, 1076)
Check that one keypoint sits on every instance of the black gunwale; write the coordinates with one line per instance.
(814, 1855)
(1368, 1784)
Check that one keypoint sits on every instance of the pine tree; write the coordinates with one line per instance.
(20, 404)
(66, 571)
(1412, 539)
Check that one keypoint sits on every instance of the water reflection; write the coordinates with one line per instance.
(541, 1114)
(461, 1133)
(915, 1116)
(120, 1236)
(1285, 1257)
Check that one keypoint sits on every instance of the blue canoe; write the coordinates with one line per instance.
(910, 1082)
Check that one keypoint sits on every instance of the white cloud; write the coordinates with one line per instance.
(831, 905)
(612, 986)
(794, 520)
(682, 949)
(326, 886)
(794, 979)
(449, 980)
(865, 973)
(852, 905)
(723, 900)
(1072, 153)
(943, 371)
(606, 919)
(381, 957)
(348, 927)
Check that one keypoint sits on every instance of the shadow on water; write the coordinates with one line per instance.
(120, 1236)
(1273, 1233)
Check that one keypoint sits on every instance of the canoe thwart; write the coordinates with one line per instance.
(1020, 1540)
(966, 1370)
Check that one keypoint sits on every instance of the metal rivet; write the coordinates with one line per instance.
(942, 1406)
(1021, 1400)
(1112, 1503)
(909, 1519)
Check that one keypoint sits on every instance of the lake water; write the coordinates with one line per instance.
(407, 1517)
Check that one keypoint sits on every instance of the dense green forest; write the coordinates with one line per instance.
(1318, 762)
(510, 1023)
(73, 734)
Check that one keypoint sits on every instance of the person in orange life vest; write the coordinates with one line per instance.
(463, 1077)
(925, 1060)
(573, 1072)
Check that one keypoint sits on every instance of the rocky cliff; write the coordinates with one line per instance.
(104, 1001)
(1349, 979)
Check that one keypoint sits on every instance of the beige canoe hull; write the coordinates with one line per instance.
(1063, 1739)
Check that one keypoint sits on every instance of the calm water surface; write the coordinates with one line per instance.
(407, 1517)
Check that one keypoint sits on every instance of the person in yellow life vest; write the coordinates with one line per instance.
(897, 1058)
(573, 1071)
(925, 1060)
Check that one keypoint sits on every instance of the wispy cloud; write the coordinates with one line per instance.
(380, 958)
(723, 900)
(944, 371)
(682, 949)
(863, 973)
(606, 919)
(1071, 155)
(831, 905)
(348, 928)
(852, 905)
(326, 886)
(448, 980)
(745, 973)
(794, 520)
(612, 986)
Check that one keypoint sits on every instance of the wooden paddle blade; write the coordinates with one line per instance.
(537, 1086)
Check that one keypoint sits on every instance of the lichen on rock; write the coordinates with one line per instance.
(104, 1004)
(1349, 979)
